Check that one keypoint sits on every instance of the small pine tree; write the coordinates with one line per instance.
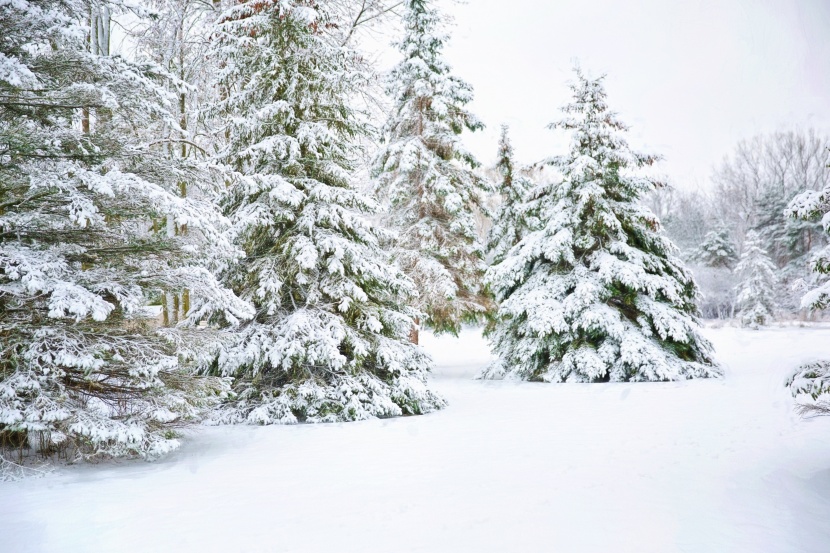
(427, 181)
(82, 373)
(756, 291)
(717, 249)
(597, 293)
(329, 341)
(511, 221)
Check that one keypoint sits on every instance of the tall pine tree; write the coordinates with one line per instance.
(811, 382)
(329, 339)
(597, 293)
(81, 370)
(511, 221)
(426, 178)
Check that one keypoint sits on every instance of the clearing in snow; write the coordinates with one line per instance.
(695, 466)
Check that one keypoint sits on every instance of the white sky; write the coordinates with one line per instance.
(691, 77)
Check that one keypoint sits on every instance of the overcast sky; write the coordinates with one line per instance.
(691, 77)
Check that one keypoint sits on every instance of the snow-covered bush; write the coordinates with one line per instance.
(597, 293)
(810, 385)
(329, 341)
(425, 178)
(80, 186)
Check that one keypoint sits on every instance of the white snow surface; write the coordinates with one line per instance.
(696, 466)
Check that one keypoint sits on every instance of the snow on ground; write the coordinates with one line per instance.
(700, 466)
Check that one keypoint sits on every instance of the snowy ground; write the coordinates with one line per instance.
(702, 466)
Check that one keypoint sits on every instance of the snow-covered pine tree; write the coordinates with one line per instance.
(81, 372)
(425, 178)
(329, 340)
(810, 384)
(784, 238)
(511, 221)
(814, 205)
(717, 249)
(756, 290)
(597, 293)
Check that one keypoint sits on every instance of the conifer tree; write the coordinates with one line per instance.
(717, 249)
(813, 379)
(425, 177)
(787, 240)
(329, 339)
(597, 293)
(756, 290)
(511, 221)
(814, 205)
(81, 371)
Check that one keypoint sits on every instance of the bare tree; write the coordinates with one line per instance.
(753, 185)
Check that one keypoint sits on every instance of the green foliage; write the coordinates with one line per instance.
(596, 293)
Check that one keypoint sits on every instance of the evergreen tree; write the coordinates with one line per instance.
(813, 379)
(814, 205)
(81, 371)
(597, 293)
(329, 339)
(787, 240)
(717, 249)
(756, 291)
(427, 178)
(511, 222)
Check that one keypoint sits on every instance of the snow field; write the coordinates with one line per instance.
(698, 466)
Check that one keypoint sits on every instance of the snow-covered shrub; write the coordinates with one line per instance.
(329, 341)
(597, 293)
(810, 385)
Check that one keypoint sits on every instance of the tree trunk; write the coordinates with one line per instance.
(185, 302)
(413, 333)
(175, 309)
(165, 321)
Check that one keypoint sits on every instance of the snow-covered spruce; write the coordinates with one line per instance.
(597, 293)
(81, 374)
(811, 382)
(810, 206)
(329, 340)
(425, 178)
(511, 222)
(717, 249)
(756, 288)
